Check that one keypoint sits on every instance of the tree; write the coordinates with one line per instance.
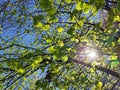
(59, 44)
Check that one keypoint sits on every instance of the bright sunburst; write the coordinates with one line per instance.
(92, 54)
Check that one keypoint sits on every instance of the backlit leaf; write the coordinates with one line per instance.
(68, 1)
(46, 27)
(61, 43)
(60, 29)
(114, 63)
(99, 85)
(65, 58)
(79, 5)
(51, 49)
(21, 70)
(117, 18)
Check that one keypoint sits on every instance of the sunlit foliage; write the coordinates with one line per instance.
(59, 44)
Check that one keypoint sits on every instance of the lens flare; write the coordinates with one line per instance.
(92, 54)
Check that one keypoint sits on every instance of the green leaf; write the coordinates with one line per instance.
(71, 31)
(60, 29)
(79, 5)
(39, 24)
(117, 18)
(37, 84)
(68, 1)
(114, 63)
(37, 20)
(57, 56)
(44, 4)
(48, 40)
(46, 27)
(51, 49)
(61, 43)
(21, 70)
(38, 59)
(65, 58)
(51, 11)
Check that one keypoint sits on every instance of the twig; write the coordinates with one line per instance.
(115, 84)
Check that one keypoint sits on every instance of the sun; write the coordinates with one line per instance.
(92, 54)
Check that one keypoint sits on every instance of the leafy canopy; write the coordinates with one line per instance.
(46, 44)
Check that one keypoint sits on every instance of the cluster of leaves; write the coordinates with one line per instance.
(52, 36)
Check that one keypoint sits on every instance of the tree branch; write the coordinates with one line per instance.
(4, 6)
(6, 47)
(115, 84)
(7, 69)
(106, 70)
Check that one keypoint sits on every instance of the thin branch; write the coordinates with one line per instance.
(7, 69)
(8, 54)
(15, 80)
(25, 47)
(106, 70)
(115, 84)
(6, 47)
(14, 37)
(4, 6)
(7, 77)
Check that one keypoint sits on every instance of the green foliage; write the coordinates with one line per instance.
(21, 70)
(68, 1)
(65, 58)
(45, 4)
(71, 31)
(37, 19)
(79, 5)
(51, 11)
(48, 43)
(52, 49)
(60, 29)
(114, 63)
